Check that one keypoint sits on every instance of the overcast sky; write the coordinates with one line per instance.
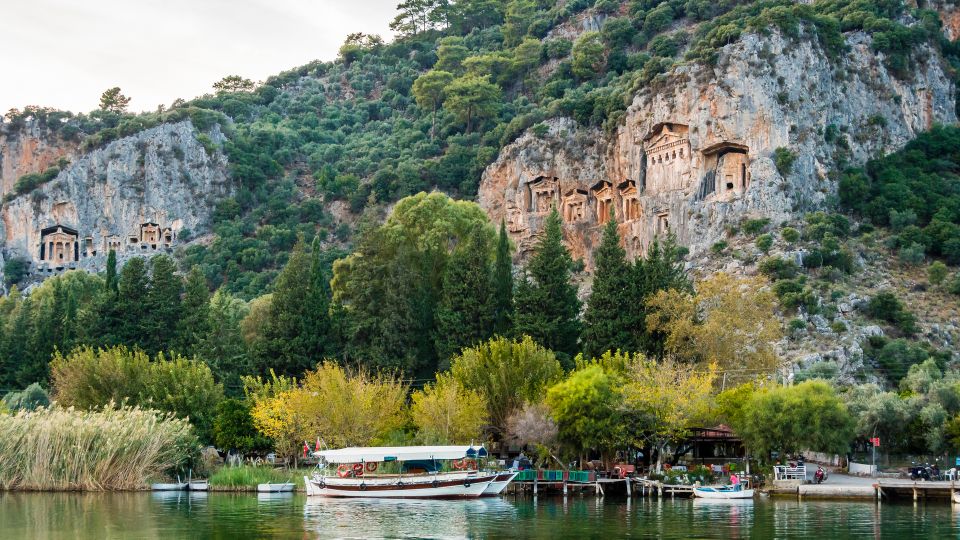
(65, 53)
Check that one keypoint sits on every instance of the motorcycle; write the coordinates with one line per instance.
(820, 476)
(924, 472)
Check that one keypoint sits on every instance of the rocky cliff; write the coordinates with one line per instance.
(30, 149)
(138, 195)
(696, 152)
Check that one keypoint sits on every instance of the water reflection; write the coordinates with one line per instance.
(165, 515)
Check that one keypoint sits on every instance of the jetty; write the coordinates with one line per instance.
(541, 482)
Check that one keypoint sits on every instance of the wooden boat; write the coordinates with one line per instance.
(956, 497)
(355, 473)
(172, 486)
(722, 492)
(198, 485)
(499, 484)
(285, 487)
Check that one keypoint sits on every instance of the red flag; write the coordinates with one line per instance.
(306, 448)
(318, 444)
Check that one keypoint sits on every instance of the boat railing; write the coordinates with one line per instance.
(784, 472)
(547, 475)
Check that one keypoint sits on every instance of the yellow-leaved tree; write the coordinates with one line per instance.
(730, 322)
(673, 396)
(350, 407)
(447, 413)
(273, 413)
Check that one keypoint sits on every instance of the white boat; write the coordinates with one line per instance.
(284, 487)
(355, 474)
(956, 497)
(499, 484)
(722, 492)
(198, 485)
(173, 486)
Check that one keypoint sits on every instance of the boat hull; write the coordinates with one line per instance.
(722, 494)
(275, 488)
(202, 485)
(180, 486)
(437, 487)
(498, 484)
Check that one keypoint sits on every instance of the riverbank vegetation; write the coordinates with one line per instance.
(66, 449)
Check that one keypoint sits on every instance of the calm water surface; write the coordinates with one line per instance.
(233, 516)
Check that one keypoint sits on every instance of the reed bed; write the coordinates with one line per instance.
(247, 476)
(63, 449)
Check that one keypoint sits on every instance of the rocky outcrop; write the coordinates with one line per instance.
(695, 153)
(139, 195)
(29, 149)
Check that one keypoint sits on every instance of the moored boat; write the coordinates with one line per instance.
(419, 474)
(722, 492)
(198, 485)
(172, 486)
(284, 487)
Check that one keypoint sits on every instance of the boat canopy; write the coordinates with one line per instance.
(399, 453)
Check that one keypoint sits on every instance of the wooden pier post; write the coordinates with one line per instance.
(534, 485)
(564, 487)
(627, 480)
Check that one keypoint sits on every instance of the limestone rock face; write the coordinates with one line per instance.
(136, 195)
(29, 149)
(696, 152)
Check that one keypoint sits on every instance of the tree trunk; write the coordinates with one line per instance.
(433, 123)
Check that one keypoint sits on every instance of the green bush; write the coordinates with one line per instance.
(936, 273)
(790, 235)
(754, 227)
(719, 247)
(886, 306)
(764, 242)
(778, 268)
(783, 158)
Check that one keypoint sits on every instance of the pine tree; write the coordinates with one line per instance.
(160, 323)
(502, 287)
(21, 341)
(194, 312)
(464, 315)
(605, 322)
(546, 301)
(222, 345)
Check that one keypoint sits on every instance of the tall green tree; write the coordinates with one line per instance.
(194, 312)
(114, 101)
(223, 346)
(547, 306)
(130, 307)
(502, 289)
(430, 90)
(111, 284)
(660, 270)
(472, 98)
(464, 315)
(159, 327)
(316, 330)
(282, 343)
(606, 326)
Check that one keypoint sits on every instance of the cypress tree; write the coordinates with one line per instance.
(464, 315)
(282, 345)
(661, 269)
(128, 313)
(194, 312)
(606, 324)
(502, 288)
(316, 318)
(111, 281)
(546, 302)
(160, 324)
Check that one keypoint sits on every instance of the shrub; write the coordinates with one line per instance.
(955, 284)
(790, 235)
(778, 268)
(838, 327)
(886, 306)
(29, 398)
(109, 449)
(797, 325)
(754, 227)
(783, 158)
(15, 269)
(936, 273)
(895, 358)
(912, 254)
(718, 247)
(764, 242)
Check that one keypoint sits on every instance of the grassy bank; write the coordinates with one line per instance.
(112, 449)
(247, 477)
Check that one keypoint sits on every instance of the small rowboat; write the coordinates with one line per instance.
(956, 497)
(285, 487)
(722, 492)
(173, 486)
(198, 485)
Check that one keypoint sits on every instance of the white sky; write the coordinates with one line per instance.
(65, 53)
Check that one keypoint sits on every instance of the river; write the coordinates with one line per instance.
(51, 516)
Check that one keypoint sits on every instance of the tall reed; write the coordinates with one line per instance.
(61, 448)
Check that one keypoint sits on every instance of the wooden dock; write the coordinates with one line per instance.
(565, 483)
(915, 490)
